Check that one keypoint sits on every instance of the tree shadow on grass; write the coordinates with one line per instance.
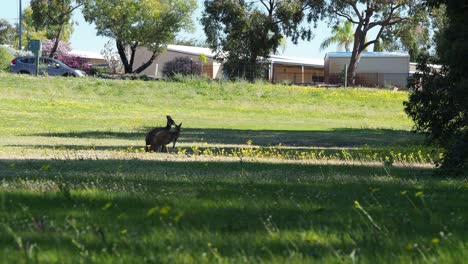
(339, 137)
(227, 199)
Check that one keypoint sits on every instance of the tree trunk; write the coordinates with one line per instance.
(57, 40)
(359, 39)
(123, 56)
(146, 64)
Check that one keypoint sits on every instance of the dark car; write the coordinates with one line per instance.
(52, 67)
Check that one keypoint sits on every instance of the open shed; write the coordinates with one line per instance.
(295, 70)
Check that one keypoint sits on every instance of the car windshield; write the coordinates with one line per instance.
(61, 63)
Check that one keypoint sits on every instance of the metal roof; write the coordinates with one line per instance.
(87, 54)
(368, 54)
(273, 58)
(191, 50)
(296, 61)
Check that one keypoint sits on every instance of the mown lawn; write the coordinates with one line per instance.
(262, 173)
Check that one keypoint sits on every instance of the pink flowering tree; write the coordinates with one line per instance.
(62, 50)
(63, 54)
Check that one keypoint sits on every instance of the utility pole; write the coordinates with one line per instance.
(20, 26)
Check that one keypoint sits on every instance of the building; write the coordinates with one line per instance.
(93, 58)
(212, 68)
(281, 68)
(296, 70)
(375, 69)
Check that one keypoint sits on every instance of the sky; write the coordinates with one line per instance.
(84, 36)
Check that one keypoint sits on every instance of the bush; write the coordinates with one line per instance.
(17, 53)
(97, 71)
(182, 66)
(75, 62)
(5, 59)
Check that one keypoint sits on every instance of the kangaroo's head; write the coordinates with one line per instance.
(170, 122)
(176, 134)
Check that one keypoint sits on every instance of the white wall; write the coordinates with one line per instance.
(155, 69)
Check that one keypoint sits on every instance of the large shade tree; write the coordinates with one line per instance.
(245, 33)
(418, 34)
(53, 16)
(133, 23)
(367, 15)
(439, 103)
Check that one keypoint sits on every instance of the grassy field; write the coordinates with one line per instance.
(261, 173)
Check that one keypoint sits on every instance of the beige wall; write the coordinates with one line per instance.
(371, 71)
(371, 64)
(293, 73)
(155, 69)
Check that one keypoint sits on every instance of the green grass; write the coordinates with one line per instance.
(262, 173)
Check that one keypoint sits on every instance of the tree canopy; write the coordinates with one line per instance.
(134, 23)
(245, 33)
(54, 16)
(7, 32)
(369, 15)
(439, 103)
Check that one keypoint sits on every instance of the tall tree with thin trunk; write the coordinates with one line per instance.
(367, 15)
(341, 35)
(133, 23)
(53, 15)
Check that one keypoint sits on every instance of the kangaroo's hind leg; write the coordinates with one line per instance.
(164, 149)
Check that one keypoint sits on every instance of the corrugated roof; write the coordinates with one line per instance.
(191, 50)
(274, 58)
(87, 54)
(367, 54)
(297, 61)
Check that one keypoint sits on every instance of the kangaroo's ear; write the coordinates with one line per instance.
(168, 117)
(180, 124)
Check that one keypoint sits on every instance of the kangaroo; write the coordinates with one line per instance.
(152, 133)
(164, 137)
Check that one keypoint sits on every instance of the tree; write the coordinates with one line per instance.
(5, 59)
(245, 33)
(111, 57)
(134, 23)
(439, 103)
(53, 15)
(367, 15)
(417, 34)
(7, 32)
(343, 36)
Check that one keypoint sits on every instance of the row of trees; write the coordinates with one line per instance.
(249, 31)
(240, 31)
(131, 23)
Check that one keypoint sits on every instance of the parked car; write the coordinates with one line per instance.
(52, 67)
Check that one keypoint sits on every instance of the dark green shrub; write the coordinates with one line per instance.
(183, 66)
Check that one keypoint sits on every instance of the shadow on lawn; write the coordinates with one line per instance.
(339, 137)
(231, 200)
